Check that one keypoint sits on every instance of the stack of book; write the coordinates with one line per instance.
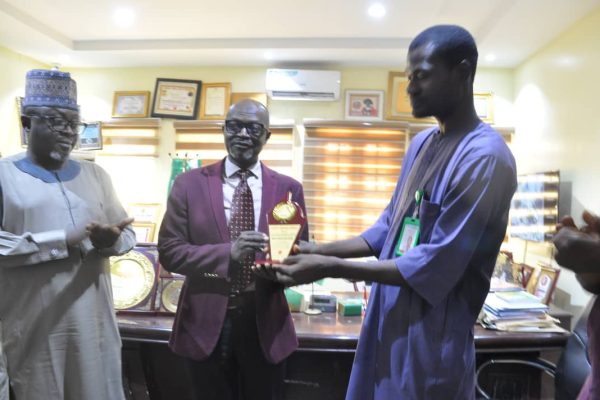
(517, 310)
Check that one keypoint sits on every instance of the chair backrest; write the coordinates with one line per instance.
(574, 364)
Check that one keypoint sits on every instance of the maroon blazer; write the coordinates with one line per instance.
(194, 241)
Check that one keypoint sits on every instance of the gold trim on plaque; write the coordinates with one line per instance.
(284, 211)
(170, 294)
(133, 278)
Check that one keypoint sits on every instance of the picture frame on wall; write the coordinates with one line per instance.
(397, 103)
(176, 98)
(144, 231)
(364, 105)
(215, 100)
(144, 212)
(90, 136)
(484, 106)
(131, 104)
(22, 131)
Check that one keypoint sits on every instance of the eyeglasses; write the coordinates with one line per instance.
(60, 125)
(234, 127)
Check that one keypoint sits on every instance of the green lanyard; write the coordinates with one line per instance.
(418, 197)
(411, 228)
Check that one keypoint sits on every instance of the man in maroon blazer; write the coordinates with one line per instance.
(234, 334)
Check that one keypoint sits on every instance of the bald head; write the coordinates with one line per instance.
(249, 108)
(246, 131)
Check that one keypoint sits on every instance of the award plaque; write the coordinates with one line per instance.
(134, 280)
(286, 221)
(169, 297)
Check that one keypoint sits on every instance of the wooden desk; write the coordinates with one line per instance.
(319, 369)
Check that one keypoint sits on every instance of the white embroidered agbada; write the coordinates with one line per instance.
(59, 331)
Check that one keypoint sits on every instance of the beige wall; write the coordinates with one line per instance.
(12, 78)
(143, 179)
(557, 123)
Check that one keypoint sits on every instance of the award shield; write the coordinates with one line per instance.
(286, 222)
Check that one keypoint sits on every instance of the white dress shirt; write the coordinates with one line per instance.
(230, 182)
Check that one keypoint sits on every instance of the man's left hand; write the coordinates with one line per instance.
(105, 235)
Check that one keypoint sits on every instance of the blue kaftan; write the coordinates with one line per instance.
(417, 341)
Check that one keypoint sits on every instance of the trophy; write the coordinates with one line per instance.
(285, 221)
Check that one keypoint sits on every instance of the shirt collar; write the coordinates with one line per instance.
(68, 172)
(231, 169)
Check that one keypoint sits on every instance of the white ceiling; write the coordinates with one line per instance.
(300, 33)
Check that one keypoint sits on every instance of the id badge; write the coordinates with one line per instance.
(409, 235)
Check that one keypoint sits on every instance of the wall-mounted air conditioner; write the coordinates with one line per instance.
(303, 84)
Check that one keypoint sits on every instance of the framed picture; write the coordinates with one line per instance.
(176, 98)
(397, 104)
(90, 137)
(144, 231)
(261, 97)
(484, 106)
(542, 282)
(22, 131)
(215, 100)
(526, 274)
(131, 104)
(364, 105)
(144, 212)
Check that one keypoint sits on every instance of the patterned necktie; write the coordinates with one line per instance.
(242, 219)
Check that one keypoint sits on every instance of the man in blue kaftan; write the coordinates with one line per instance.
(457, 181)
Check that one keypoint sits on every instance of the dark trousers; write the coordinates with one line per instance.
(237, 368)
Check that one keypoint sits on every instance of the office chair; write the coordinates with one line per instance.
(572, 368)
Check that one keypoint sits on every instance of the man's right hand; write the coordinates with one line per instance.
(248, 242)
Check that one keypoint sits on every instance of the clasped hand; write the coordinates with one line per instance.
(101, 235)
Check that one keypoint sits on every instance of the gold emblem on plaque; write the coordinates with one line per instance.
(283, 212)
(170, 294)
(132, 277)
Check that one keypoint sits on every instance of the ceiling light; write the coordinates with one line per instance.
(376, 10)
(268, 55)
(124, 17)
(491, 57)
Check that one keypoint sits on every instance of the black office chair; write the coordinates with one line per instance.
(572, 368)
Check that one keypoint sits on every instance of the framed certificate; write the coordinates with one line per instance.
(131, 104)
(144, 231)
(215, 100)
(176, 98)
(484, 106)
(144, 212)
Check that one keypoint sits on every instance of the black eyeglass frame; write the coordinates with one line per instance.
(244, 125)
(76, 127)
